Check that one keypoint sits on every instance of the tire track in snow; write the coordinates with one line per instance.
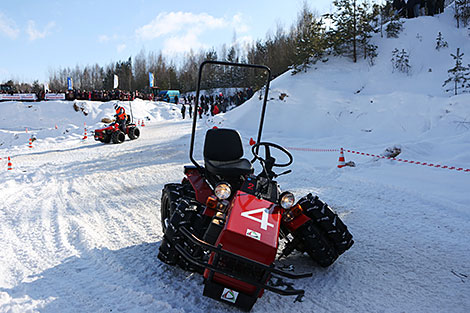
(413, 247)
(104, 225)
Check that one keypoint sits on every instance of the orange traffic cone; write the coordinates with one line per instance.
(252, 142)
(142, 123)
(138, 122)
(55, 126)
(9, 164)
(341, 162)
(85, 137)
(30, 143)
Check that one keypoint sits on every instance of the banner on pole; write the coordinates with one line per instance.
(151, 84)
(54, 96)
(18, 96)
(116, 81)
(69, 83)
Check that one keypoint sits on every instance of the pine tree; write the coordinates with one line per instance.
(343, 37)
(462, 12)
(384, 13)
(367, 18)
(352, 32)
(310, 41)
(440, 42)
(459, 74)
(400, 61)
(394, 27)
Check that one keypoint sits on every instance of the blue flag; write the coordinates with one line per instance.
(151, 79)
(69, 83)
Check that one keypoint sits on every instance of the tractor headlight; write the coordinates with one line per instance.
(223, 191)
(286, 200)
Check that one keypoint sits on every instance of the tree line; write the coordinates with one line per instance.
(311, 38)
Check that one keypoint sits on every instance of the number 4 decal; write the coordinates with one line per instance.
(264, 218)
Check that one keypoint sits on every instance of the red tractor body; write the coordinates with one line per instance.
(245, 235)
(113, 133)
(225, 222)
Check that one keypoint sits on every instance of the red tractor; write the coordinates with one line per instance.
(114, 133)
(226, 223)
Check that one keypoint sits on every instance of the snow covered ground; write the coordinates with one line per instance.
(80, 222)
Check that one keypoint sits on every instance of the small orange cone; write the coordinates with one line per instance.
(55, 126)
(138, 122)
(252, 142)
(9, 164)
(26, 129)
(341, 162)
(142, 123)
(30, 143)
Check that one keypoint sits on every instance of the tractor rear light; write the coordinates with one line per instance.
(222, 206)
(212, 202)
(215, 204)
(290, 215)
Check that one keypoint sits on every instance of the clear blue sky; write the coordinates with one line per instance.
(37, 36)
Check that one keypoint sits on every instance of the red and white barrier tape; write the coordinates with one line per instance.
(411, 162)
(384, 157)
(313, 150)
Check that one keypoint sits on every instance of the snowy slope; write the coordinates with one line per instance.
(80, 222)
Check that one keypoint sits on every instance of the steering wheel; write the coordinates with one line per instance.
(266, 145)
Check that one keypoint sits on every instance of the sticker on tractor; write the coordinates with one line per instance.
(253, 234)
(264, 217)
(229, 295)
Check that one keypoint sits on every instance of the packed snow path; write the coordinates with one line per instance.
(80, 232)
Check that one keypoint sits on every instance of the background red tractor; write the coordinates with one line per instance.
(226, 223)
(115, 134)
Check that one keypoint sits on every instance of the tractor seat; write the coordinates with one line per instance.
(223, 152)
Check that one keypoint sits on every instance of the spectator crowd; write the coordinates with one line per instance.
(415, 8)
(214, 104)
(104, 95)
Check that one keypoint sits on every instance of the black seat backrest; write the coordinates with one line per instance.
(222, 144)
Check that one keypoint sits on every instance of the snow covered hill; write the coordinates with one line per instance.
(80, 222)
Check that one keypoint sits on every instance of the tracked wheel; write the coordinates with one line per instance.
(315, 243)
(328, 222)
(169, 202)
(186, 214)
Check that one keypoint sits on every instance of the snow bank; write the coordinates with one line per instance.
(343, 104)
(41, 118)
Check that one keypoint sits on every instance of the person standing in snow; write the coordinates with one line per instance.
(215, 110)
(431, 6)
(183, 110)
(439, 7)
(121, 116)
(200, 111)
(176, 99)
(190, 109)
(409, 8)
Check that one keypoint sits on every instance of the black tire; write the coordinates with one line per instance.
(328, 221)
(134, 133)
(187, 214)
(172, 194)
(314, 241)
(118, 137)
(170, 198)
(107, 138)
